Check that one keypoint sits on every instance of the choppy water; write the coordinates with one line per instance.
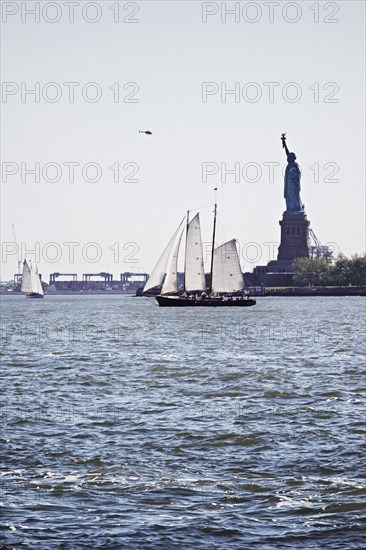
(130, 426)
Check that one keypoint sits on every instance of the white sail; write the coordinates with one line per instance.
(26, 278)
(157, 276)
(194, 271)
(171, 279)
(227, 275)
(37, 284)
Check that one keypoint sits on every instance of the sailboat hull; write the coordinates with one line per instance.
(34, 295)
(177, 301)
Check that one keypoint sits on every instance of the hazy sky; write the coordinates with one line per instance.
(295, 67)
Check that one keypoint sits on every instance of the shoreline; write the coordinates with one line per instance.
(309, 292)
(263, 293)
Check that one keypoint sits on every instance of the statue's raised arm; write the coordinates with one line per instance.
(292, 182)
(283, 139)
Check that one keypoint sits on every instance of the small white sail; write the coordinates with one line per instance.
(38, 285)
(227, 275)
(171, 279)
(194, 270)
(26, 285)
(157, 276)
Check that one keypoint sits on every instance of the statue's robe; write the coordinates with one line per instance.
(292, 188)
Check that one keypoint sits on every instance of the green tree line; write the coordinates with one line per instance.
(323, 271)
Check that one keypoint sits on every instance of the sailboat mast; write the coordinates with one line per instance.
(213, 246)
(16, 248)
(185, 255)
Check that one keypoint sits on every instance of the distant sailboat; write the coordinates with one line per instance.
(31, 282)
(226, 286)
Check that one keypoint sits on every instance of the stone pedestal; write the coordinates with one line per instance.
(295, 241)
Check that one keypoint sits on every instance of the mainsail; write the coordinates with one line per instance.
(194, 270)
(227, 275)
(171, 279)
(157, 276)
(26, 278)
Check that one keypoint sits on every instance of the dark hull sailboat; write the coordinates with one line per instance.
(181, 301)
(34, 295)
(226, 286)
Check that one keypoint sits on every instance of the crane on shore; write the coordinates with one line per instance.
(317, 249)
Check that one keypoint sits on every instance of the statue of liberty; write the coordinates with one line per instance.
(292, 182)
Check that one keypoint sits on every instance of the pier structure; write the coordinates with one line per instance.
(104, 282)
(96, 282)
(127, 277)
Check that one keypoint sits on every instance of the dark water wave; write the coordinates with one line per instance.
(127, 426)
